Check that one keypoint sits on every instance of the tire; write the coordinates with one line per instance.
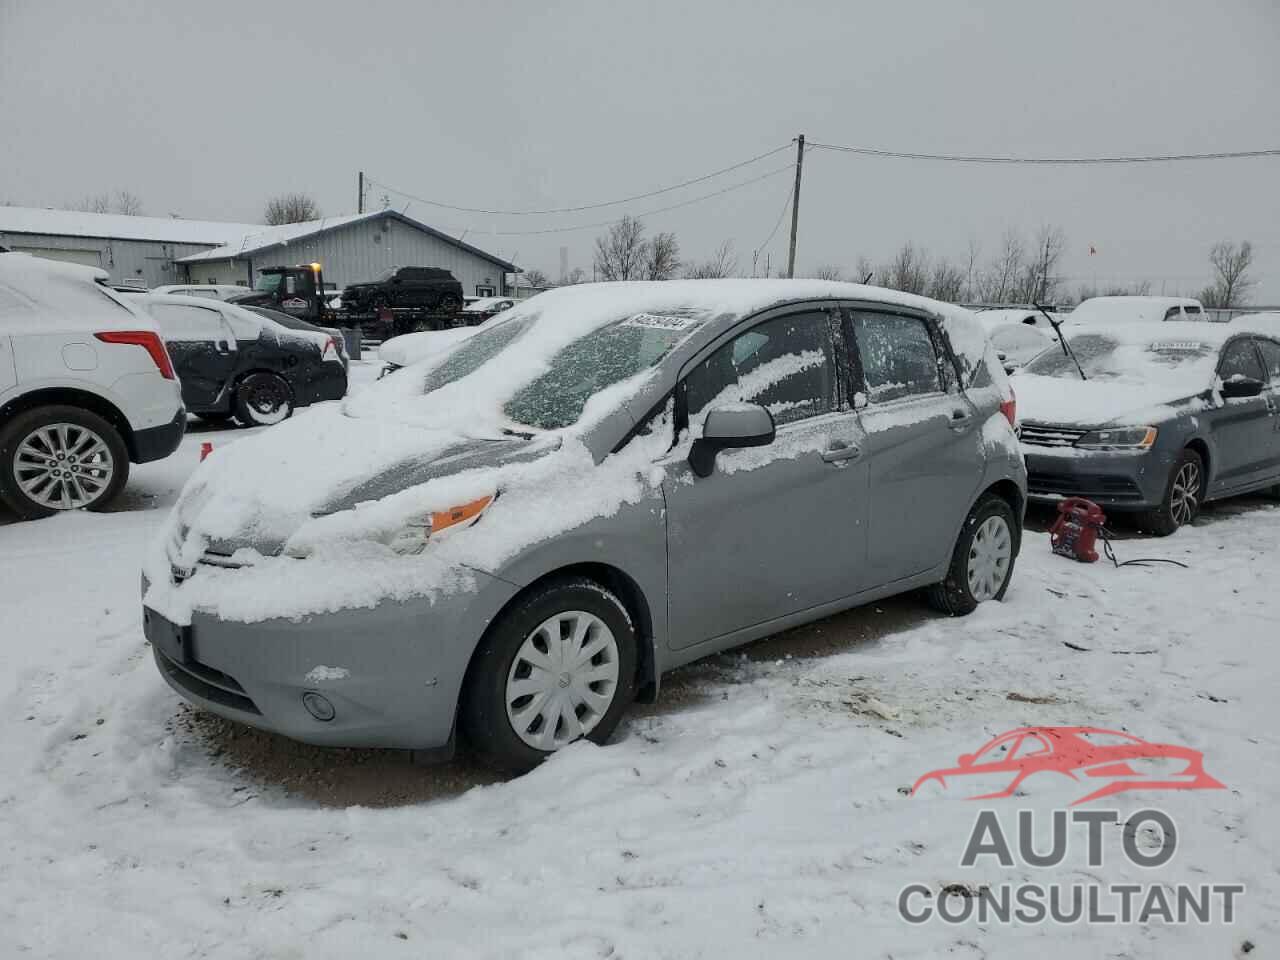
(263, 399)
(1182, 496)
(979, 552)
(90, 448)
(512, 730)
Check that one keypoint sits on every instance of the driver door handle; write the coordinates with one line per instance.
(841, 451)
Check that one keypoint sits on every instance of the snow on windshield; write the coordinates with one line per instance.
(1139, 362)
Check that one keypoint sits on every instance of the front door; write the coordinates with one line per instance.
(923, 443)
(1243, 427)
(203, 349)
(778, 529)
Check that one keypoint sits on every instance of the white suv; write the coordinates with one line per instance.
(86, 386)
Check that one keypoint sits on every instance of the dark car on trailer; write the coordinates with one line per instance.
(233, 362)
(424, 288)
(1157, 419)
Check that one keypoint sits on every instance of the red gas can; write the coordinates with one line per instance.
(1075, 533)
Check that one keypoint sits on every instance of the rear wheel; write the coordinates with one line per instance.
(263, 399)
(1182, 496)
(982, 562)
(60, 458)
(557, 667)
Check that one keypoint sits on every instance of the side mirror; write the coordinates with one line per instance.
(726, 428)
(1238, 387)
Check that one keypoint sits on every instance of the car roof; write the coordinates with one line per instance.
(1210, 334)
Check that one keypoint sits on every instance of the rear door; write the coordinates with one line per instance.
(203, 349)
(1243, 427)
(1270, 350)
(778, 529)
(924, 446)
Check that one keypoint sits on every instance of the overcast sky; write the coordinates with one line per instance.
(206, 109)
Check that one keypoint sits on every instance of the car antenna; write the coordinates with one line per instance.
(1066, 347)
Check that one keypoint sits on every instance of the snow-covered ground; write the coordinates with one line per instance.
(760, 810)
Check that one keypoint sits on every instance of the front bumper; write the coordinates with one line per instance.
(1120, 481)
(391, 674)
(156, 443)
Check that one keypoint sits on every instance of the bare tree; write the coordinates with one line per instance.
(827, 272)
(1231, 280)
(908, 271)
(722, 263)
(662, 257)
(128, 203)
(535, 278)
(290, 208)
(864, 272)
(1040, 280)
(999, 283)
(1139, 288)
(621, 252)
(946, 281)
(971, 275)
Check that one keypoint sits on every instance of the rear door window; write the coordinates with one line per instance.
(188, 324)
(898, 355)
(1271, 357)
(785, 364)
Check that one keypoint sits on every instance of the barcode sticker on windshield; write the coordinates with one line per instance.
(1193, 345)
(661, 323)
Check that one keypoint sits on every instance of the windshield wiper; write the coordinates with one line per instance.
(1066, 348)
(522, 434)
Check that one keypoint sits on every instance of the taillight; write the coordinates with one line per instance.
(149, 342)
(1010, 408)
(330, 351)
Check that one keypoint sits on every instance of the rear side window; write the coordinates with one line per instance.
(899, 359)
(1239, 359)
(1271, 357)
(784, 364)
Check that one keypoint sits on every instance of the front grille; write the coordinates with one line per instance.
(1048, 435)
(1083, 485)
(206, 683)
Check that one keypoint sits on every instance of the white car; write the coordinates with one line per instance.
(1135, 309)
(209, 291)
(409, 348)
(86, 387)
(1018, 335)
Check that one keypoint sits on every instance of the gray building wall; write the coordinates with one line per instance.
(362, 251)
(148, 259)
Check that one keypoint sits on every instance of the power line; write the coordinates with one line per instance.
(585, 206)
(964, 158)
(785, 207)
(648, 213)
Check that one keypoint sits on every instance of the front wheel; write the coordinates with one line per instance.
(60, 458)
(263, 399)
(982, 562)
(1182, 496)
(557, 667)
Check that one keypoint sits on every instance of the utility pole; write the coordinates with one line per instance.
(360, 202)
(795, 207)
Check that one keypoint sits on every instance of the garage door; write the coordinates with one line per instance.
(89, 258)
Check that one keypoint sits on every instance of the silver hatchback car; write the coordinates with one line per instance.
(515, 539)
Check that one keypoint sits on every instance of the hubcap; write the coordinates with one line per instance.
(989, 556)
(63, 466)
(563, 680)
(1185, 496)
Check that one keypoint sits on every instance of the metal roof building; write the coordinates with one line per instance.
(164, 250)
(351, 249)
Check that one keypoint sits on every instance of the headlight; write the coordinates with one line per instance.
(1119, 438)
(413, 536)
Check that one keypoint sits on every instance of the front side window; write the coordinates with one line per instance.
(1239, 359)
(268, 282)
(1173, 313)
(785, 364)
(898, 356)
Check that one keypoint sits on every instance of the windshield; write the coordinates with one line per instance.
(268, 282)
(386, 275)
(1106, 358)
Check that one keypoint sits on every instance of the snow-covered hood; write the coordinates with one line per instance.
(1093, 403)
(411, 347)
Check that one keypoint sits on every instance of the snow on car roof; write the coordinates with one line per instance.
(1127, 308)
(73, 223)
(45, 291)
